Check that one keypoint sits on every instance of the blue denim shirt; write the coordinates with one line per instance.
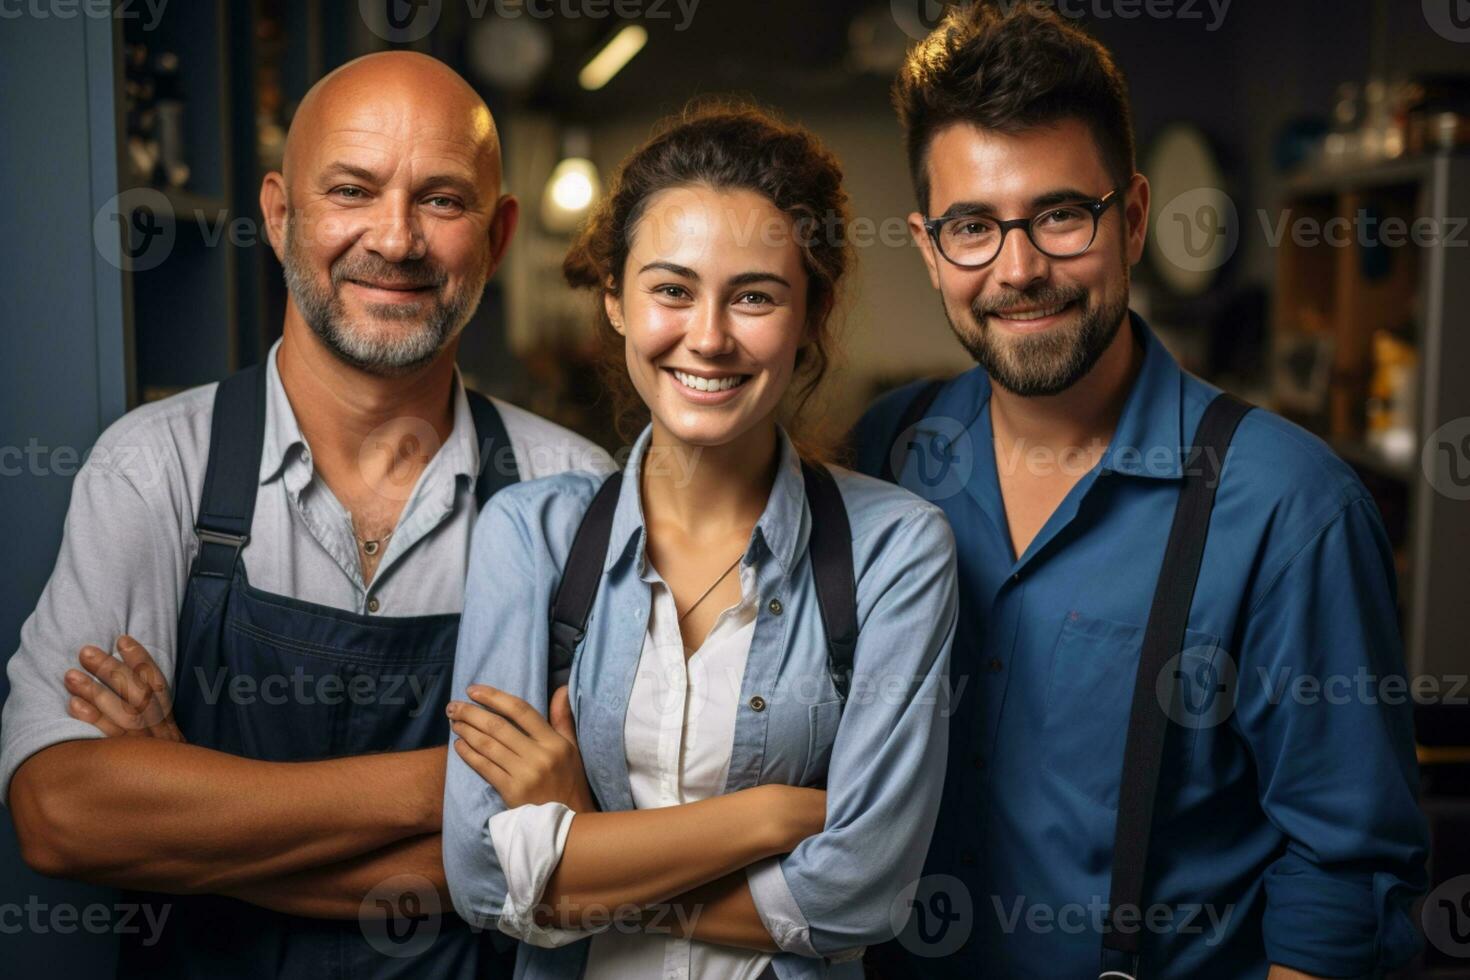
(882, 757)
(1287, 828)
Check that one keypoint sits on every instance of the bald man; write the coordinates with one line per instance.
(282, 555)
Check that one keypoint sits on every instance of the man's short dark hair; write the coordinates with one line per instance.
(1012, 71)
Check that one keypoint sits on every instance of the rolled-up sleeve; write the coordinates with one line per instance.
(501, 631)
(529, 841)
(833, 894)
(1326, 711)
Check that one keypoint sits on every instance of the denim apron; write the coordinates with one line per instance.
(317, 683)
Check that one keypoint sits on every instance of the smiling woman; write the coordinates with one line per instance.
(696, 192)
(698, 751)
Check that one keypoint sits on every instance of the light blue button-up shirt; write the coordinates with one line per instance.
(1287, 827)
(882, 756)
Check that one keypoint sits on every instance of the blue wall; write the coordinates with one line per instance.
(61, 379)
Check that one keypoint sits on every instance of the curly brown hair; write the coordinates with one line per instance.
(1012, 71)
(725, 145)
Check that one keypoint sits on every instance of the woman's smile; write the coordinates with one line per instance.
(708, 388)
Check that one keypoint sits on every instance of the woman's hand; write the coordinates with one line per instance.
(515, 750)
(122, 697)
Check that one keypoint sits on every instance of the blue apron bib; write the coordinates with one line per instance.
(317, 683)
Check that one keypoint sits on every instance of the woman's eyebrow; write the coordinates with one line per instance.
(748, 278)
(678, 270)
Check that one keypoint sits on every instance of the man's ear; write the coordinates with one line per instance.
(926, 246)
(1135, 209)
(503, 228)
(612, 303)
(273, 208)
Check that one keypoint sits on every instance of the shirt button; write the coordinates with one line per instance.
(978, 761)
(757, 703)
(775, 607)
(995, 665)
(967, 858)
(373, 604)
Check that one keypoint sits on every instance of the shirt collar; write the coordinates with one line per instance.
(283, 437)
(782, 528)
(1149, 439)
(459, 456)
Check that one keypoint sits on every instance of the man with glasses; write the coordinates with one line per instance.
(1272, 829)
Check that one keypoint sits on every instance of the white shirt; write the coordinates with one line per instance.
(678, 734)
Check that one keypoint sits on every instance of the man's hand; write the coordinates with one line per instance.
(515, 750)
(122, 697)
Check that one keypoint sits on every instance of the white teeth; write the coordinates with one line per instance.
(709, 384)
(1033, 315)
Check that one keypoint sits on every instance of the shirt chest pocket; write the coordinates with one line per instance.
(822, 721)
(1090, 694)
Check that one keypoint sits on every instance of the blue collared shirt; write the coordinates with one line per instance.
(1287, 829)
(882, 756)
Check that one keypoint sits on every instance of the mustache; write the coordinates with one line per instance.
(1012, 299)
(412, 273)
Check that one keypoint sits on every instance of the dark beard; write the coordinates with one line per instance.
(1048, 363)
(324, 312)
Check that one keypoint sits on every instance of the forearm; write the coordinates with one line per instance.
(1287, 973)
(642, 857)
(337, 891)
(722, 911)
(144, 813)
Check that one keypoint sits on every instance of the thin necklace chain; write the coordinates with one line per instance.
(712, 587)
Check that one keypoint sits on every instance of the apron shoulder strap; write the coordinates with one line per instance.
(915, 411)
(232, 475)
(491, 438)
(830, 548)
(1163, 638)
(572, 604)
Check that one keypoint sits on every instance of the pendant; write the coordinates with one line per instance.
(370, 548)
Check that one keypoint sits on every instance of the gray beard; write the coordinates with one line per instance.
(324, 311)
(1049, 363)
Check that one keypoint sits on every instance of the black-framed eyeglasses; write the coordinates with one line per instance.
(1064, 231)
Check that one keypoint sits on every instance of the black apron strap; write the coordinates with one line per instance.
(1148, 722)
(232, 476)
(498, 468)
(572, 604)
(916, 410)
(830, 548)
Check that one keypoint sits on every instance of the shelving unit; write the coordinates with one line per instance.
(214, 303)
(1345, 293)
